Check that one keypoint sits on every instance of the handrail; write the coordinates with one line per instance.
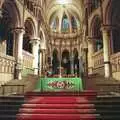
(12, 89)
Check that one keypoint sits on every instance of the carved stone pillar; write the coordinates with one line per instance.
(106, 49)
(90, 54)
(35, 50)
(19, 32)
(43, 60)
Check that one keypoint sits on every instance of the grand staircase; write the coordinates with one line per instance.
(59, 106)
(85, 105)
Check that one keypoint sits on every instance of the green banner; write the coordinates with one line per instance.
(59, 85)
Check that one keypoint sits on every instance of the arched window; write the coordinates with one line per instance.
(65, 24)
(74, 23)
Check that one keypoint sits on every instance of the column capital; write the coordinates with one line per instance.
(19, 30)
(107, 27)
(35, 40)
(90, 39)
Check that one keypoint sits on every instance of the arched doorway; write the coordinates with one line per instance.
(55, 62)
(66, 61)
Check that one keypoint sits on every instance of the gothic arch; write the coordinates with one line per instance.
(30, 25)
(8, 22)
(107, 12)
(96, 33)
(15, 17)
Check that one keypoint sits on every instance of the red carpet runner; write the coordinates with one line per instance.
(58, 107)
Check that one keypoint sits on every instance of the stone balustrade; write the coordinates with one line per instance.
(115, 62)
(98, 59)
(27, 63)
(65, 35)
(7, 68)
(7, 64)
(27, 59)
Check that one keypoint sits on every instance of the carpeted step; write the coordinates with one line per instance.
(58, 106)
(57, 116)
(84, 93)
(57, 111)
(61, 100)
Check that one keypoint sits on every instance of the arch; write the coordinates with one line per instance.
(114, 20)
(55, 61)
(15, 17)
(65, 25)
(96, 33)
(66, 61)
(8, 22)
(29, 34)
(30, 26)
(107, 12)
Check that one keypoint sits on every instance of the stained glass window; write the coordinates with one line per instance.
(65, 24)
(53, 25)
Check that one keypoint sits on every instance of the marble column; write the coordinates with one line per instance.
(19, 32)
(43, 60)
(35, 50)
(40, 63)
(90, 54)
(106, 49)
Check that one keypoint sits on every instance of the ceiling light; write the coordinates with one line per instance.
(64, 2)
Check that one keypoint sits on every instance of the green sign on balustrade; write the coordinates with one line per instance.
(59, 85)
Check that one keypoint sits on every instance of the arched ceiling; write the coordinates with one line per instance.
(53, 8)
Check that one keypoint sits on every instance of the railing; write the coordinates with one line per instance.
(65, 35)
(98, 59)
(115, 62)
(27, 59)
(12, 89)
(7, 64)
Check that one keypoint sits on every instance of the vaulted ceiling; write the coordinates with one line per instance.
(53, 9)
